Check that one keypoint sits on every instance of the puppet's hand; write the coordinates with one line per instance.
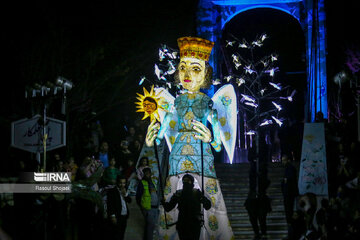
(204, 132)
(152, 132)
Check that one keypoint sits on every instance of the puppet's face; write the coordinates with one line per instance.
(191, 73)
(149, 107)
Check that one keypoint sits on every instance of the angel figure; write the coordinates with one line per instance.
(184, 126)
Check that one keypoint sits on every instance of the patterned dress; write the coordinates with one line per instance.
(185, 157)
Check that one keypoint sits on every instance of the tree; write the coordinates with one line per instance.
(262, 93)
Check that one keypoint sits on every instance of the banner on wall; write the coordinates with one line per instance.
(313, 170)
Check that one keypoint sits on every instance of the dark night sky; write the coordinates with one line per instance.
(90, 23)
(42, 40)
(32, 31)
(133, 29)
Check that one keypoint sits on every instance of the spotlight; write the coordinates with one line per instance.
(65, 83)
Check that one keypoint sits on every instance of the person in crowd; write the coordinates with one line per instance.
(143, 163)
(124, 153)
(72, 167)
(111, 173)
(86, 206)
(104, 154)
(251, 204)
(189, 201)
(148, 200)
(130, 174)
(96, 134)
(130, 170)
(308, 204)
(263, 210)
(117, 208)
(353, 189)
(319, 117)
(131, 136)
(258, 207)
(135, 148)
(353, 232)
(297, 225)
(344, 171)
(59, 167)
(289, 187)
(140, 137)
(354, 183)
(88, 167)
(323, 219)
(56, 163)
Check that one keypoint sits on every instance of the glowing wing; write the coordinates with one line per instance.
(168, 116)
(226, 105)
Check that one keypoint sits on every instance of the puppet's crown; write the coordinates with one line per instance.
(195, 47)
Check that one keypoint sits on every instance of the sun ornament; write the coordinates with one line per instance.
(149, 104)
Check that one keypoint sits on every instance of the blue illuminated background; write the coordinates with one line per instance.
(213, 16)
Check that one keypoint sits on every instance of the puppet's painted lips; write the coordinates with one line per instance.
(187, 80)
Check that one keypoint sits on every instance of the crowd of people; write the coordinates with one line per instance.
(100, 182)
(108, 174)
(309, 216)
(336, 216)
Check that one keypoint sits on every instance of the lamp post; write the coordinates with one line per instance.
(46, 92)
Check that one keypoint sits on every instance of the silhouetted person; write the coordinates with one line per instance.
(325, 220)
(189, 202)
(308, 204)
(289, 188)
(297, 226)
(258, 207)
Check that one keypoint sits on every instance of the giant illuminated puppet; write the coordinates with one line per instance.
(183, 123)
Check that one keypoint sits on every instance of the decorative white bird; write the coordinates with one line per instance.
(161, 55)
(251, 104)
(229, 43)
(289, 98)
(243, 45)
(277, 86)
(266, 122)
(263, 37)
(157, 71)
(274, 58)
(262, 91)
(278, 106)
(257, 43)
(265, 63)
(228, 78)
(272, 71)
(235, 58)
(216, 82)
(172, 55)
(250, 133)
(278, 121)
(247, 98)
(171, 69)
(240, 81)
(237, 65)
(249, 70)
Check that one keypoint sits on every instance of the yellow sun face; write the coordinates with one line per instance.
(149, 103)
